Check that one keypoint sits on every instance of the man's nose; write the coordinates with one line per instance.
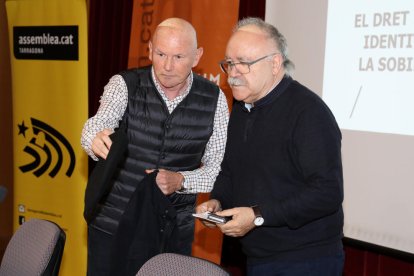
(168, 64)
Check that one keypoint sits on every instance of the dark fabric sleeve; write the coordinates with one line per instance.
(99, 183)
(316, 154)
(222, 190)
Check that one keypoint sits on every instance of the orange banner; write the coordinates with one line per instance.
(213, 21)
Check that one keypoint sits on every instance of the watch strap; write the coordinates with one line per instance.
(256, 211)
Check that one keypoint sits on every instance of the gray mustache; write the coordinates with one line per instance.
(235, 81)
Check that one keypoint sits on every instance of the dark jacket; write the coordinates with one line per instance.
(148, 227)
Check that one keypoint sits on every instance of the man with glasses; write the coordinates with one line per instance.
(281, 179)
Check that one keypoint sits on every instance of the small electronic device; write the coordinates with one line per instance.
(212, 217)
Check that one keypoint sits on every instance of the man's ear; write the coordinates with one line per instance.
(277, 63)
(199, 53)
(150, 50)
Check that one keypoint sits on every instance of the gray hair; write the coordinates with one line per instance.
(274, 35)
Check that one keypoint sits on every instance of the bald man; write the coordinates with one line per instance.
(176, 125)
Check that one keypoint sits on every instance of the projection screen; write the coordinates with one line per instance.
(359, 57)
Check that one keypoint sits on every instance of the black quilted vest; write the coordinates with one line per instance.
(158, 139)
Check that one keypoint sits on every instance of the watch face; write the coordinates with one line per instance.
(258, 221)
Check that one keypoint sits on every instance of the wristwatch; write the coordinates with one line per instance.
(259, 220)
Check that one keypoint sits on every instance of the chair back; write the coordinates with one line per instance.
(172, 264)
(36, 248)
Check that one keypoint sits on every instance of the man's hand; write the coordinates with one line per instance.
(102, 143)
(242, 221)
(168, 181)
(213, 206)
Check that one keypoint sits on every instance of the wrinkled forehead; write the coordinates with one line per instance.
(248, 41)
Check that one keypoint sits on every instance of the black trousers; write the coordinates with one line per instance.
(99, 252)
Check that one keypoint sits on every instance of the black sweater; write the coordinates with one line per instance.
(285, 156)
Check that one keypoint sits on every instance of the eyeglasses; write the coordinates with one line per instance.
(243, 66)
